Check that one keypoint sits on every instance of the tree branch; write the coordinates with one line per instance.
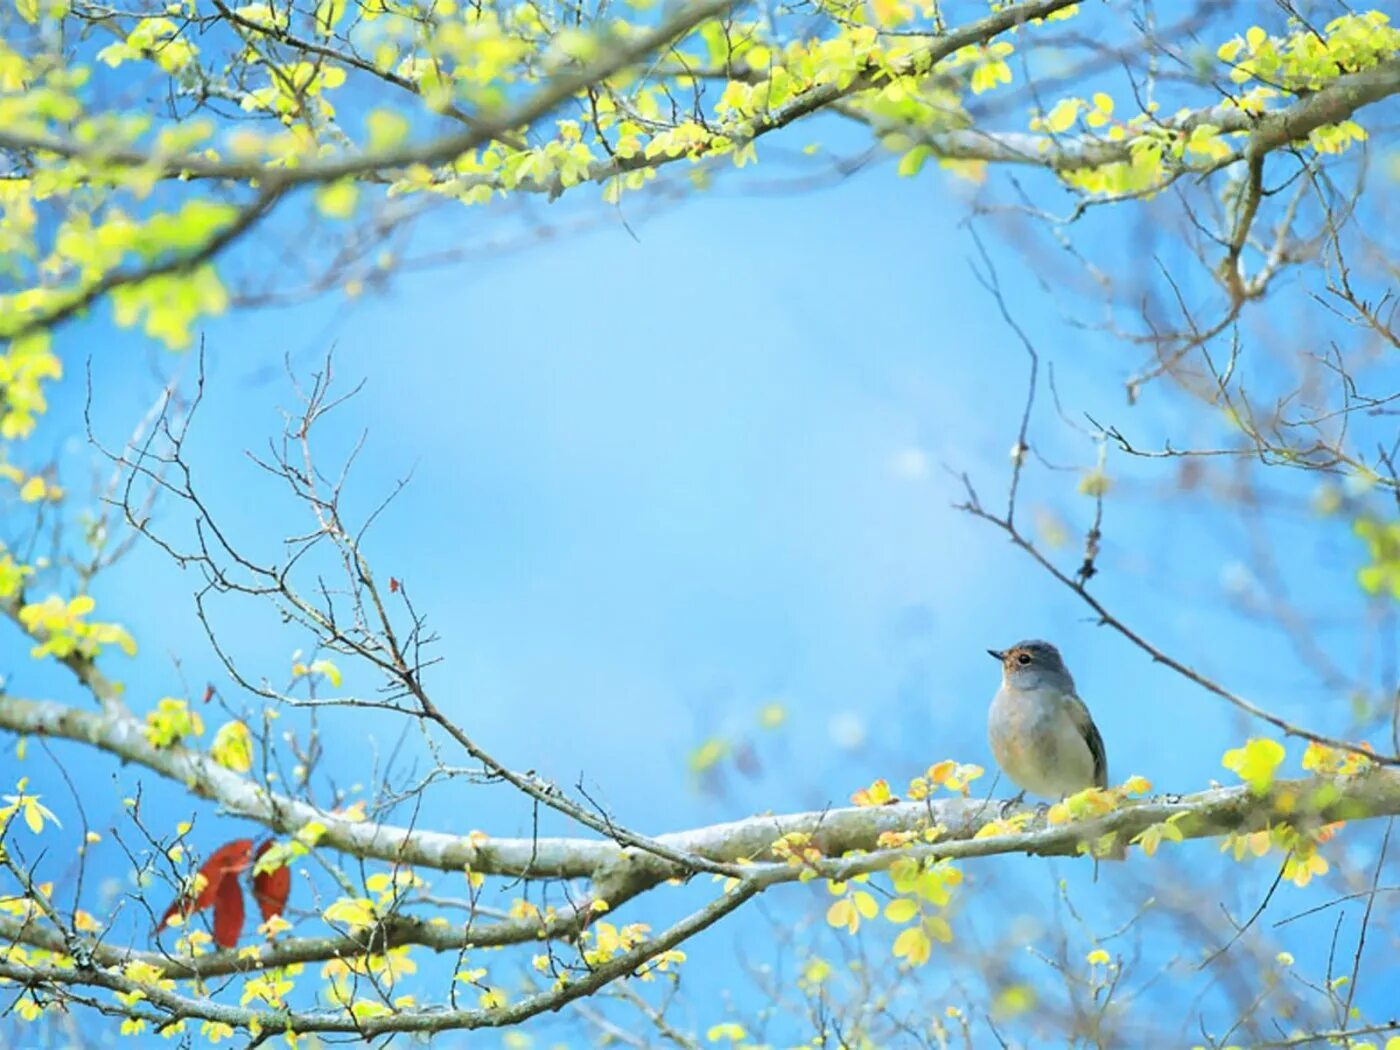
(749, 841)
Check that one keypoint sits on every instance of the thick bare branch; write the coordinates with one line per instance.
(836, 831)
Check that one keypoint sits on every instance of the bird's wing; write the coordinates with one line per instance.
(1084, 722)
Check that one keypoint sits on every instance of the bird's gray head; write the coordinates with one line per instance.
(1032, 664)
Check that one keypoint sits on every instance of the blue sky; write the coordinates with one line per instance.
(659, 483)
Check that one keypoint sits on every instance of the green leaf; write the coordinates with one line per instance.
(352, 911)
(1062, 115)
(338, 200)
(1255, 763)
(912, 162)
(901, 909)
(329, 14)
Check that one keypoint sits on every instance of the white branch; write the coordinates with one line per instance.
(836, 831)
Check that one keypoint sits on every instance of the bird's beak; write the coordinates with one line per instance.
(995, 655)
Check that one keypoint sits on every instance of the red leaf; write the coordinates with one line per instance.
(209, 692)
(394, 585)
(222, 868)
(228, 912)
(271, 888)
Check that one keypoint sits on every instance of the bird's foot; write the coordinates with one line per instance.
(1012, 803)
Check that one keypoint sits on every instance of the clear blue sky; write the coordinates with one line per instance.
(659, 483)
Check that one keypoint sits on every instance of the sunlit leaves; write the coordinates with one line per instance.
(1135, 785)
(1060, 118)
(1013, 1000)
(364, 1009)
(1094, 483)
(1152, 836)
(297, 91)
(1304, 864)
(954, 776)
(1382, 538)
(232, 747)
(63, 629)
(1336, 138)
(273, 856)
(988, 62)
(1303, 861)
(729, 1032)
(815, 971)
(159, 40)
(877, 794)
(328, 15)
(321, 668)
(901, 910)
(166, 306)
(1203, 142)
(708, 755)
(271, 987)
(389, 886)
(385, 129)
(493, 998)
(1255, 763)
(847, 912)
(1320, 758)
(772, 715)
(25, 365)
(640, 122)
(931, 881)
(31, 488)
(27, 807)
(1305, 59)
(1093, 803)
(472, 58)
(604, 940)
(922, 889)
(1084, 805)
(351, 911)
(1139, 175)
(1008, 825)
(662, 962)
(1298, 842)
(28, 1009)
(1101, 110)
(264, 15)
(172, 721)
(12, 574)
(913, 161)
(345, 974)
(915, 944)
(146, 977)
(797, 850)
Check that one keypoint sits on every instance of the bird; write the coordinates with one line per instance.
(1041, 733)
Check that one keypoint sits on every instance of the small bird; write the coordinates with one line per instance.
(1041, 733)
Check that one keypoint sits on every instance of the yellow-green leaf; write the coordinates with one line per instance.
(351, 911)
(233, 747)
(901, 909)
(1255, 763)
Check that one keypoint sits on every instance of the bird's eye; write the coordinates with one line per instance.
(1023, 659)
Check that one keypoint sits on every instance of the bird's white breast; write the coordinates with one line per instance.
(1037, 742)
